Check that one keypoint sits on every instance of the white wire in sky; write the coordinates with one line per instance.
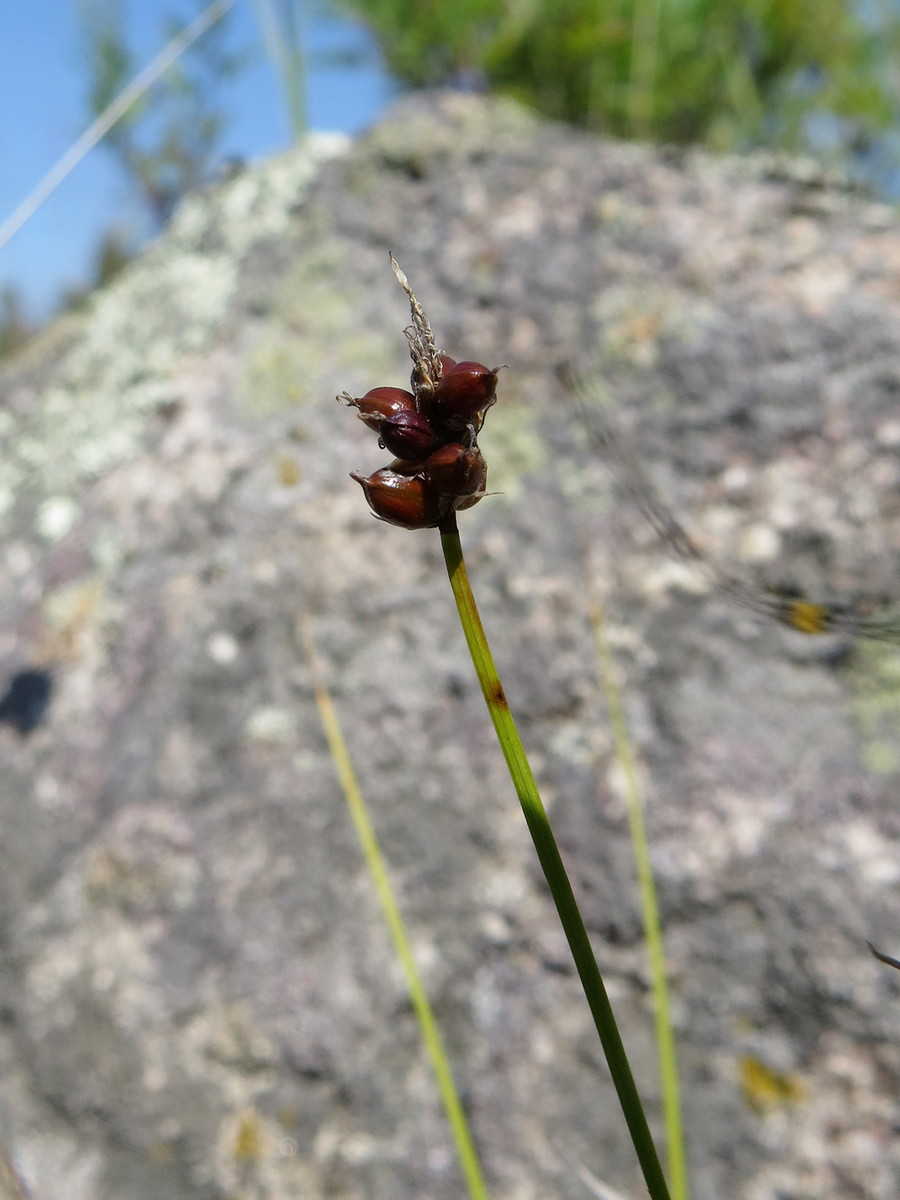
(98, 130)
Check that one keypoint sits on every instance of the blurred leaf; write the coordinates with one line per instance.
(728, 73)
(15, 328)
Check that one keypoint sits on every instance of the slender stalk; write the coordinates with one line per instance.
(283, 39)
(110, 115)
(465, 1147)
(642, 80)
(296, 65)
(665, 1041)
(551, 862)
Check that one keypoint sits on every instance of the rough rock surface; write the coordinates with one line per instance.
(197, 994)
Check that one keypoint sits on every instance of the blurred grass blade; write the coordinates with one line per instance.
(642, 67)
(551, 863)
(12, 1185)
(283, 41)
(665, 1040)
(465, 1147)
(110, 115)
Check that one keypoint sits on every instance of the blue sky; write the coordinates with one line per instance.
(42, 99)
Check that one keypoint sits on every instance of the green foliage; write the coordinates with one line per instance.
(165, 142)
(111, 255)
(730, 73)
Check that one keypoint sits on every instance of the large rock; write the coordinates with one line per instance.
(199, 998)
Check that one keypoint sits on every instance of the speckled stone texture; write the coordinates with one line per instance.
(198, 999)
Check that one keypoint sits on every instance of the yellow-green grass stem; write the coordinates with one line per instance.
(665, 1039)
(551, 863)
(643, 67)
(283, 40)
(434, 1045)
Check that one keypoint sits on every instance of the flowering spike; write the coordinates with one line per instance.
(432, 431)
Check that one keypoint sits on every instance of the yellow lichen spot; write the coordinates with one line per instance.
(72, 617)
(288, 470)
(765, 1089)
(287, 1117)
(806, 617)
(248, 1139)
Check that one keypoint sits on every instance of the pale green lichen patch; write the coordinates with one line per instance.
(257, 203)
(282, 371)
(270, 724)
(416, 141)
(875, 701)
(122, 362)
(311, 322)
(635, 318)
(512, 444)
(274, 375)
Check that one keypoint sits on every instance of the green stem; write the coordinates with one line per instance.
(642, 75)
(295, 66)
(551, 863)
(283, 39)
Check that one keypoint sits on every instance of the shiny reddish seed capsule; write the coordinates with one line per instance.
(404, 500)
(401, 467)
(466, 390)
(382, 402)
(408, 435)
(457, 470)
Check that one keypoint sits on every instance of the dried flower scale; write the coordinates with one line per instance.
(432, 431)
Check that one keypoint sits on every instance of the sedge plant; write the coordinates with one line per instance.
(438, 471)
